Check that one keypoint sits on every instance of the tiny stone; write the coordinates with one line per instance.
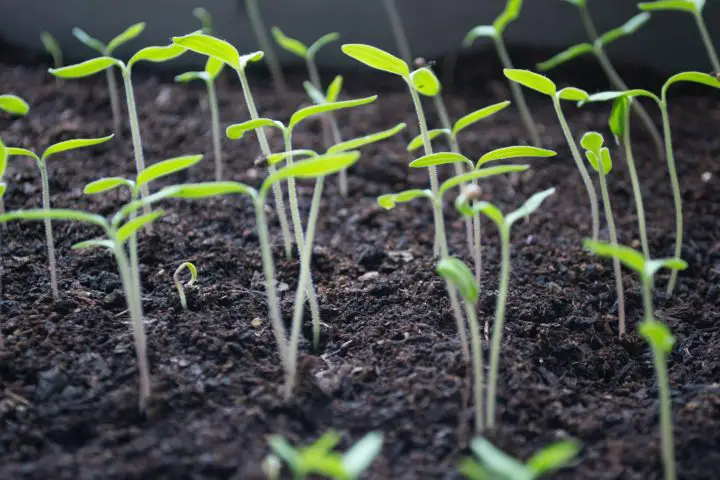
(635, 243)
(706, 176)
(164, 98)
(369, 276)
(283, 287)
(256, 322)
(531, 240)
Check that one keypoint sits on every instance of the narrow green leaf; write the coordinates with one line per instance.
(456, 272)
(573, 94)
(3, 189)
(236, 132)
(190, 76)
(618, 116)
(477, 174)
(377, 59)
(86, 68)
(362, 454)
(210, 46)
(486, 208)
(334, 89)
(658, 335)
(51, 45)
(629, 257)
(498, 461)
(91, 42)
(506, 153)
(94, 244)
(285, 451)
(390, 200)
(14, 105)
(106, 184)
(472, 470)
(627, 29)
(531, 80)
(313, 110)
(360, 142)
(532, 204)
(315, 95)
(21, 152)
(669, 5)
(191, 191)
(166, 167)
(692, 77)
(577, 3)
(441, 158)
(653, 266)
(592, 141)
(131, 227)
(190, 268)
(322, 42)
(478, 115)
(477, 32)
(323, 445)
(315, 167)
(74, 145)
(157, 54)
(213, 67)
(205, 20)
(251, 58)
(565, 56)
(54, 214)
(130, 33)
(3, 158)
(425, 82)
(553, 457)
(296, 47)
(276, 158)
(612, 95)
(509, 15)
(418, 142)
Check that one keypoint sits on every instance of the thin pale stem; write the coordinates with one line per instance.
(215, 121)
(258, 26)
(114, 100)
(337, 138)
(629, 157)
(181, 294)
(677, 197)
(518, 95)
(707, 41)
(398, 30)
(620, 291)
(459, 320)
(135, 132)
(587, 181)
(477, 249)
(459, 170)
(265, 148)
(49, 239)
(668, 443)
(477, 357)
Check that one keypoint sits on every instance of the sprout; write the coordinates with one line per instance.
(496, 31)
(655, 332)
(213, 67)
(599, 158)
(546, 86)
(226, 53)
(41, 162)
(53, 48)
(496, 462)
(695, 7)
(206, 21)
(178, 283)
(457, 274)
(321, 459)
(662, 102)
(504, 224)
(258, 26)
(107, 50)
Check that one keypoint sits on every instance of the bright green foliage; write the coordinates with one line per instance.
(596, 154)
(190, 267)
(532, 80)
(565, 56)
(658, 335)
(425, 82)
(298, 48)
(508, 15)
(13, 105)
(376, 58)
(360, 142)
(53, 48)
(474, 117)
(217, 48)
(130, 33)
(691, 6)
(635, 260)
(455, 271)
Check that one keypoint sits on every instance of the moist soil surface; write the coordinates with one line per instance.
(390, 358)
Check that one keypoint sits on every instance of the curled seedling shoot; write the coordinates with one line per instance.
(599, 158)
(190, 267)
(261, 36)
(655, 332)
(504, 224)
(496, 32)
(544, 85)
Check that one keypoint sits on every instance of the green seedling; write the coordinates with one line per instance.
(389, 201)
(504, 224)
(497, 465)
(3, 189)
(205, 19)
(190, 267)
(456, 273)
(599, 158)
(107, 50)
(226, 53)
(320, 458)
(694, 7)
(396, 25)
(544, 85)
(597, 47)
(52, 47)
(213, 67)
(495, 32)
(41, 162)
(261, 36)
(13, 105)
(662, 102)
(655, 332)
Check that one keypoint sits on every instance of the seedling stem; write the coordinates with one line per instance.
(258, 26)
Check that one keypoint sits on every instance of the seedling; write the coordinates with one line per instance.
(226, 53)
(495, 32)
(599, 158)
(504, 224)
(53, 48)
(542, 84)
(190, 267)
(261, 36)
(655, 332)
(597, 47)
(107, 50)
(694, 7)
(213, 67)
(456, 273)
(496, 464)
(13, 105)
(206, 21)
(321, 459)
(662, 102)
(3, 189)
(41, 162)
(396, 25)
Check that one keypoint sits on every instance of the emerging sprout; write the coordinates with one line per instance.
(53, 48)
(261, 36)
(321, 459)
(41, 162)
(127, 35)
(496, 31)
(542, 84)
(206, 21)
(190, 267)
(504, 224)
(494, 463)
(655, 332)
(599, 158)
(213, 67)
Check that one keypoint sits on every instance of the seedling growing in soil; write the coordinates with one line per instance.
(655, 332)
(504, 224)
(190, 267)
(107, 50)
(456, 273)
(662, 102)
(599, 158)
(321, 459)
(206, 21)
(261, 36)
(41, 162)
(694, 7)
(496, 464)
(213, 67)
(495, 32)
(542, 84)
(52, 47)
(597, 47)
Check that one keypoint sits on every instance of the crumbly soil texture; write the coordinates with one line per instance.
(389, 358)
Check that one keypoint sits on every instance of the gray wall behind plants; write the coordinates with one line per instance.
(670, 42)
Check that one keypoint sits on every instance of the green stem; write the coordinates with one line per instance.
(629, 157)
(620, 291)
(518, 95)
(459, 170)
(477, 250)
(668, 444)
(215, 121)
(292, 193)
(498, 326)
(712, 54)
(398, 30)
(135, 132)
(265, 148)
(587, 181)
(258, 26)
(114, 100)
(133, 249)
(49, 239)
(459, 320)
(181, 294)
(477, 356)
(677, 197)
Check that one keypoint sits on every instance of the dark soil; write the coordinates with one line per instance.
(390, 359)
